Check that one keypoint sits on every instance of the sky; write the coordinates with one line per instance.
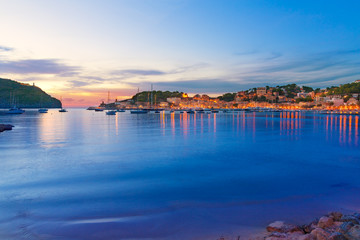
(79, 50)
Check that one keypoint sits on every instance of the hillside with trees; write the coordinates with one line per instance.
(25, 96)
(345, 89)
(157, 96)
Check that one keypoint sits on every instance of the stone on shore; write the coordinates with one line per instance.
(353, 233)
(349, 218)
(281, 227)
(337, 236)
(325, 222)
(334, 226)
(320, 234)
(336, 215)
(5, 127)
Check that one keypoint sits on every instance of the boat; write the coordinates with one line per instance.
(138, 111)
(181, 111)
(98, 109)
(171, 111)
(200, 111)
(43, 110)
(157, 111)
(62, 109)
(15, 110)
(190, 111)
(121, 110)
(214, 111)
(112, 112)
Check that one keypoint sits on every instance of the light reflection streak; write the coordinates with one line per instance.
(172, 116)
(346, 126)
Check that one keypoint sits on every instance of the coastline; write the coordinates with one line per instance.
(332, 226)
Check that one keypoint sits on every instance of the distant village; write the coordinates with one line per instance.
(291, 96)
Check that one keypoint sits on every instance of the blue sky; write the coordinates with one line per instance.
(80, 49)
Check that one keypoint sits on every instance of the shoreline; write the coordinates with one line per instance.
(332, 226)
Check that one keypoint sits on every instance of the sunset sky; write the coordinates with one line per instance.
(81, 49)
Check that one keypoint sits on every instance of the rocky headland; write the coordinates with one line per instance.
(24, 95)
(333, 226)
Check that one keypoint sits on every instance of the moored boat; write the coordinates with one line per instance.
(43, 110)
(15, 110)
(111, 112)
(138, 111)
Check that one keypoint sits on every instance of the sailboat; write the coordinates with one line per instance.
(62, 109)
(42, 110)
(14, 109)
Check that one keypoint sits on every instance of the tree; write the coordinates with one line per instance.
(307, 89)
(227, 97)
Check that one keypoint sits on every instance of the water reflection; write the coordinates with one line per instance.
(347, 128)
(168, 169)
(52, 130)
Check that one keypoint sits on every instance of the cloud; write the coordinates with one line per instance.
(83, 81)
(199, 85)
(6, 49)
(40, 66)
(273, 56)
(138, 72)
(78, 83)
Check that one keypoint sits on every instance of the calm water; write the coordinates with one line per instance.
(86, 175)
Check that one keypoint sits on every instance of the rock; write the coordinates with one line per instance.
(278, 235)
(307, 237)
(320, 234)
(336, 215)
(325, 222)
(4, 127)
(307, 228)
(353, 233)
(345, 227)
(357, 215)
(349, 218)
(282, 227)
(295, 235)
(337, 236)
(285, 236)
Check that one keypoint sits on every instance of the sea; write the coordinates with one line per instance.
(85, 175)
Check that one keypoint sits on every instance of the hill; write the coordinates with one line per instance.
(348, 88)
(158, 96)
(25, 96)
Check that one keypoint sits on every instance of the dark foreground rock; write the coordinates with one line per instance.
(5, 127)
(334, 226)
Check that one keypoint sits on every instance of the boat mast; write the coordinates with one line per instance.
(151, 96)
